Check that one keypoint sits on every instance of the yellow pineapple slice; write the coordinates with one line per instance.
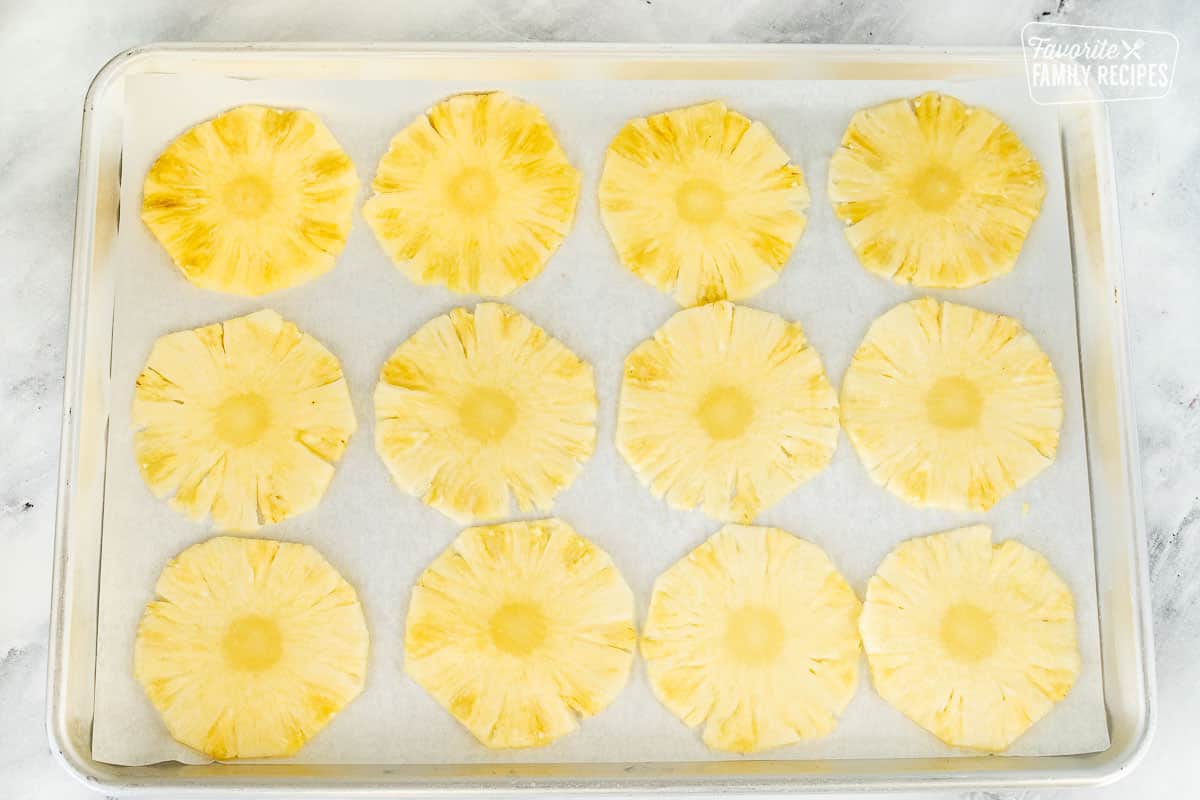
(518, 629)
(255, 200)
(251, 648)
(972, 641)
(476, 405)
(243, 419)
(702, 203)
(476, 195)
(949, 406)
(934, 192)
(727, 409)
(753, 633)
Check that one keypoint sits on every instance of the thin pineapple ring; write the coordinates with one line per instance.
(476, 405)
(255, 200)
(951, 407)
(972, 641)
(727, 409)
(475, 195)
(934, 192)
(702, 203)
(251, 648)
(754, 632)
(241, 419)
(518, 629)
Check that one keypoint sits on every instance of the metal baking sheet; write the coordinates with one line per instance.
(398, 726)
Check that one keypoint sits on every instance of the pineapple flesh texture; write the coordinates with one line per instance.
(251, 647)
(727, 409)
(255, 200)
(934, 192)
(520, 629)
(755, 634)
(973, 642)
(702, 203)
(476, 195)
(951, 407)
(478, 405)
(243, 419)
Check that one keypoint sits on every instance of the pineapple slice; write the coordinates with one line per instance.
(476, 195)
(241, 419)
(251, 648)
(702, 203)
(728, 409)
(973, 642)
(934, 192)
(755, 632)
(517, 629)
(255, 200)
(949, 406)
(475, 405)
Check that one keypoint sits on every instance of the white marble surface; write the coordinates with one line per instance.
(49, 51)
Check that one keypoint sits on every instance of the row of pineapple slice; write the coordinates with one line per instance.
(521, 629)
(700, 202)
(726, 409)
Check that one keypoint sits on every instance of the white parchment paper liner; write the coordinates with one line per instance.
(380, 539)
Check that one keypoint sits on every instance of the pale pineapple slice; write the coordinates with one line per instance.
(251, 648)
(476, 405)
(255, 200)
(934, 192)
(519, 629)
(727, 409)
(702, 203)
(973, 642)
(241, 419)
(476, 195)
(949, 406)
(755, 633)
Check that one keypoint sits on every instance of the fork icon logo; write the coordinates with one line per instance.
(1133, 50)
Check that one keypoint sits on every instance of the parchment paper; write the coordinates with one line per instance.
(380, 539)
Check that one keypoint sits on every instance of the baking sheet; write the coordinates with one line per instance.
(380, 539)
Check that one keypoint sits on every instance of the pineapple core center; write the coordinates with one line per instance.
(247, 196)
(241, 419)
(487, 414)
(473, 191)
(754, 635)
(954, 403)
(935, 188)
(518, 628)
(725, 412)
(700, 201)
(252, 642)
(967, 632)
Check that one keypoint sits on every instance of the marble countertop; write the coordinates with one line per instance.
(50, 50)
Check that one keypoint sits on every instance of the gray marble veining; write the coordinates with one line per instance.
(49, 51)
